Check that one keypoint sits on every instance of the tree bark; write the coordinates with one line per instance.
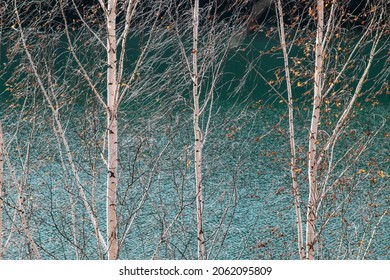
(112, 132)
(312, 164)
(293, 165)
(198, 136)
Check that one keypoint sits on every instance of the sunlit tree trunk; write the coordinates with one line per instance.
(112, 132)
(312, 164)
(293, 165)
(197, 135)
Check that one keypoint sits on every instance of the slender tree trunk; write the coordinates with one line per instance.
(59, 131)
(198, 136)
(20, 206)
(112, 132)
(1, 191)
(312, 164)
(293, 165)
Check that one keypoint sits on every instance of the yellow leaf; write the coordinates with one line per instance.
(295, 72)
(381, 174)
(361, 171)
(296, 61)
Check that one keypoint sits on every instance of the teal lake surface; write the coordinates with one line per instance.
(248, 209)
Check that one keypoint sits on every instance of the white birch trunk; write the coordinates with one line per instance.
(198, 136)
(112, 132)
(293, 165)
(312, 164)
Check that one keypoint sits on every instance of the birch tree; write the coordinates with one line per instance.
(324, 82)
(118, 85)
(197, 136)
(213, 36)
(293, 164)
(312, 164)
